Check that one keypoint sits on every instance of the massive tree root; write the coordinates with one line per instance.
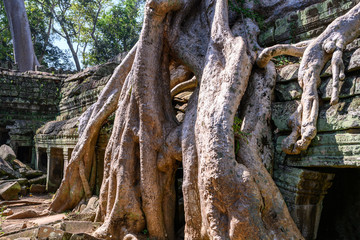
(225, 196)
(329, 45)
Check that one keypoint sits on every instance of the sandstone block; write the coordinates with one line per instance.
(37, 188)
(10, 190)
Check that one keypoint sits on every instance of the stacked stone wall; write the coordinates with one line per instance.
(27, 101)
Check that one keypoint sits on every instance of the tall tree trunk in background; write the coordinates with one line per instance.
(20, 31)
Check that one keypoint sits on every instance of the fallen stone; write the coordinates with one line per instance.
(24, 191)
(83, 236)
(23, 181)
(21, 233)
(17, 164)
(39, 180)
(52, 219)
(7, 212)
(10, 190)
(45, 232)
(6, 153)
(80, 226)
(7, 170)
(29, 174)
(37, 188)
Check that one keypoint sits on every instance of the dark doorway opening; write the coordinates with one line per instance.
(4, 135)
(56, 168)
(341, 207)
(24, 154)
(42, 164)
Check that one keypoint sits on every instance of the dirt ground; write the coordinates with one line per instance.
(11, 225)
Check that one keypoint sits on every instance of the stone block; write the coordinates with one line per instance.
(288, 73)
(45, 232)
(10, 190)
(83, 236)
(335, 150)
(28, 233)
(39, 180)
(7, 170)
(6, 153)
(345, 115)
(37, 188)
(80, 226)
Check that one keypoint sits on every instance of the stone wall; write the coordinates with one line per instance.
(304, 24)
(27, 101)
(78, 92)
(305, 179)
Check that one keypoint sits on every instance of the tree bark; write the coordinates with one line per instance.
(226, 195)
(20, 31)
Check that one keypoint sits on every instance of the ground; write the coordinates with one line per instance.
(12, 225)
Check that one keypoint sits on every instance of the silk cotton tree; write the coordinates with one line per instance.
(24, 53)
(226, 195)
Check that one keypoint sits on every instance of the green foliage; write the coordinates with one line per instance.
(238, 133)
(238, 6)
(117, 31)
(95, 30)
(285, 60)
(6, 51)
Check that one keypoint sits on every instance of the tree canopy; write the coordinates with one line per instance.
(94, 31)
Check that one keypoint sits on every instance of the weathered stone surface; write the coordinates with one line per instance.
(304, 24)
(10, 190)
(304, 191)
(354, 61)
(349, 87)
(30, 174)
(80, 226)
(7, 212)
(45, 232)
(287, 73)
(6, 153)
(345, 115)
(290, 90)
(39, 180)
(23, 191)
(83, 236)
(37, 188)
(6, 170)
(326, 150)
(27, 233)
(22, 181)
(17, 164)
(81, 90)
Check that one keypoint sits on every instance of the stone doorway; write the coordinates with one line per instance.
(42, 160)
(55, 169)
(341, 207)
(4, 135)
(24, 154)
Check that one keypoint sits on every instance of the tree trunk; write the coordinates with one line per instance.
(20, 31)
(226, 195)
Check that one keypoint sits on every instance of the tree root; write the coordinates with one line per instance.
(295, 50)
(329, 45)
(187, 85)
(76, 178)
